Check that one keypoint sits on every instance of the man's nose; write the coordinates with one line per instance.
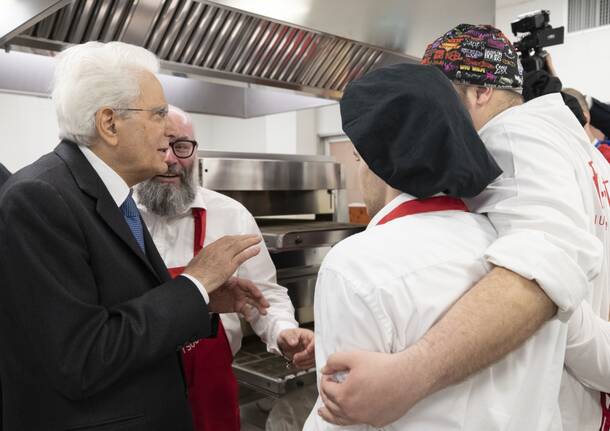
(170, 157)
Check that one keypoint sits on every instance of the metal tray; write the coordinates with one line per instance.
(308, 234)
(267, 373)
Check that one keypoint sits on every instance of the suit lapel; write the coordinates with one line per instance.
(113, 217)
(153, 255)
(91, 184)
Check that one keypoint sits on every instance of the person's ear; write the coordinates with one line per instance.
(105, 124)
(483, 95)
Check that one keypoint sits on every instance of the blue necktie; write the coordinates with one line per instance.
(132, 217)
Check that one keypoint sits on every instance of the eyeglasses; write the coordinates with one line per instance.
(158, 112)
(183, 148)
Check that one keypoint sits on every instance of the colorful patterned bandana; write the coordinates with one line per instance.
(476, 55)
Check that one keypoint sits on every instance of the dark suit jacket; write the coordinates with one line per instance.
(89, 326)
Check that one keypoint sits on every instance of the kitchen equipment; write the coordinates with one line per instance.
(297, 202)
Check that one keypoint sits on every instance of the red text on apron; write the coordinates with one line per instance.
(212, 387)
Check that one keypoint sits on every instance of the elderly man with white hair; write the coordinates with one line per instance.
(90, 320)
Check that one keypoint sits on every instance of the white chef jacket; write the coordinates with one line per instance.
(381, 290)
(543, 204)
(551, 213)
(174, 238)
(588, 345)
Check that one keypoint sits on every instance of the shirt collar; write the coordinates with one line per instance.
(117, 187)
(403, 197)
(199, 201)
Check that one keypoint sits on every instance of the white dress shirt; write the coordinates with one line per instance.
(117, 187)
(119, 190)
(551, 210)
(381, 290)
(174, 237)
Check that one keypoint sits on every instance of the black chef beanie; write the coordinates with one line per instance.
(411, 129)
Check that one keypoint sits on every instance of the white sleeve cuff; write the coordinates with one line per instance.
(280, 326)
(530, 255)
(199, 286)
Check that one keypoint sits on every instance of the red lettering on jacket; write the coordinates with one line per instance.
(605, 192)
(603, 195)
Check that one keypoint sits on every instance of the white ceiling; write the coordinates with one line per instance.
(505, 3)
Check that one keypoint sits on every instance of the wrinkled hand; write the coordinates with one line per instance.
(219, 260)
(298, 345)
(378, 388)
(237, 295)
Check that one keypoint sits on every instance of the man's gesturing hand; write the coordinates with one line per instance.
(298, 345)
(219, 260)
(237, 295)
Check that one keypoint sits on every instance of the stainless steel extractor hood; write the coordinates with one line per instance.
(304, 47)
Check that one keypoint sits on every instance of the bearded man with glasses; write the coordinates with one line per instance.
(182, 218)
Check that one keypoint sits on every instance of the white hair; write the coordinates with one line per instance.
(92, 75)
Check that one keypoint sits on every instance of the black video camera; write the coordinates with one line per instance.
(539, 34)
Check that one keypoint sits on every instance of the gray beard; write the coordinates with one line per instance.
(168, 200)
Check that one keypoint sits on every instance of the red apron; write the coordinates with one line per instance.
(212, 387)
